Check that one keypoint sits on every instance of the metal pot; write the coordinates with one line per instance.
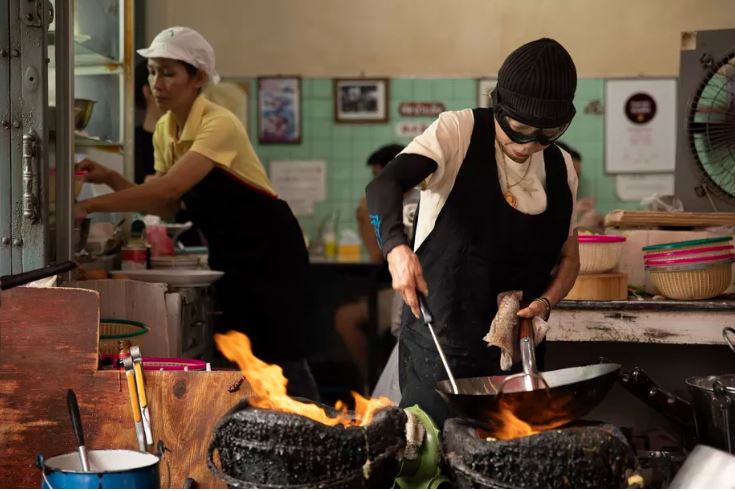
(713, 401)
(108, 469)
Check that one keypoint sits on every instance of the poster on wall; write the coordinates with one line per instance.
(279, 110)
(300, 183)
(640, 126)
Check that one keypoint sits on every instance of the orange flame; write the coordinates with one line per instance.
(268, 387)
(506, 424)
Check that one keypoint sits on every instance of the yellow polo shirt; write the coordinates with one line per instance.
(214, 132)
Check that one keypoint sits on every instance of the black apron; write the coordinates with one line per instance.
(480, 246)
(256, 240)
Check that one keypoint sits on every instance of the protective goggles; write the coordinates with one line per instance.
(521, 133)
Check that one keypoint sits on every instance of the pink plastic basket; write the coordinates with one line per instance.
(691, 260)
(152, 363)
(688, 252)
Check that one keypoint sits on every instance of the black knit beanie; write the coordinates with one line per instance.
(536, 84)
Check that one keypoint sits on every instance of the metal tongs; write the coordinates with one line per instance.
(134, 402)
(428, 320)
(142, 396)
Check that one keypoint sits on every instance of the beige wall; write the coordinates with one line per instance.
(443, 38)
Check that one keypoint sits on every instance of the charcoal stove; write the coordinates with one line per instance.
(579, 455)
(262, 448)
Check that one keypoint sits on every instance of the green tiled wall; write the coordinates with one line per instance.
(345, 147)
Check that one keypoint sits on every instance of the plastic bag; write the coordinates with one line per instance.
(663, 202)
(161, 243)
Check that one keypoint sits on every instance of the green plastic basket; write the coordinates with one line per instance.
(684, 244)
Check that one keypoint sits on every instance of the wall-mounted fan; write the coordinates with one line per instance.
(705, 168)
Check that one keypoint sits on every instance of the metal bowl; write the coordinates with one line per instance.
(82, 112)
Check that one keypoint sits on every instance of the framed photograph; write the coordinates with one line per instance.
(362, 100)
(279, 110)
(484, 87)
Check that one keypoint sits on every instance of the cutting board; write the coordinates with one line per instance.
(48, 344)
(628, 218)
(601, 286)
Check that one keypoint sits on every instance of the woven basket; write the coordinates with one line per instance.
(599, 258)
(113, 330)
(692, 284)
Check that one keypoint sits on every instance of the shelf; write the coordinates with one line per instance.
(83, 55)
(94, 142)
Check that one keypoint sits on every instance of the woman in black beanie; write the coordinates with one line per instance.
(496, 215)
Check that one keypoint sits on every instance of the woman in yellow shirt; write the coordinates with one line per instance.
(204, 159)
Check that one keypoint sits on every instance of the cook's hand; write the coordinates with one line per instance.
(405, 269)
(80, 212)
(537, 308)
(96, 173)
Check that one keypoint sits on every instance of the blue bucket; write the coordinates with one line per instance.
(121, 469)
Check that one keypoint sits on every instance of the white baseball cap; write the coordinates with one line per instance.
(183, 44)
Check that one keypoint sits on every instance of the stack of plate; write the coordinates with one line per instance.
(692, 269)
(175, 262)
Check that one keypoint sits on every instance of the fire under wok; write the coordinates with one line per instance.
(571, 394)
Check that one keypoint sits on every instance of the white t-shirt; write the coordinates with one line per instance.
(446, 142)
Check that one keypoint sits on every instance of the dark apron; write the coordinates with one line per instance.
(480, 246)
(255, 239)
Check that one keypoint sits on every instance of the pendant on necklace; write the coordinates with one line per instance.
(510, 199)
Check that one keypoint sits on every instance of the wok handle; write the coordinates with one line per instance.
(638, 383)
(726, 333)
(525, 328)
(13, 280)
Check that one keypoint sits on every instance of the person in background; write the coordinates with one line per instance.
(496, 216)
(204, 159)
(350, 319)
(377, 162)
(588, 219)
(147, 115)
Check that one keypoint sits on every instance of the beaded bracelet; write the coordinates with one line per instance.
(547, 305)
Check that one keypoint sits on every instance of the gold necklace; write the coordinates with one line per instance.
(509, 197)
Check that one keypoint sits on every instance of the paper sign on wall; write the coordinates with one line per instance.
(640, 126)
(638, 186)
(410, 129)
(300, 183)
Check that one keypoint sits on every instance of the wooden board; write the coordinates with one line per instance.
(702, 327)
(602, 286)
(48, 344)
(628, 218)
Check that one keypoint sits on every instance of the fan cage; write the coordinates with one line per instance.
(711, 128)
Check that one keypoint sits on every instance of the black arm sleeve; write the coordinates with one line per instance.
(385, 196)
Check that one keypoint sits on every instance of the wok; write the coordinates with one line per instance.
(571, 394)
(543, 400)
